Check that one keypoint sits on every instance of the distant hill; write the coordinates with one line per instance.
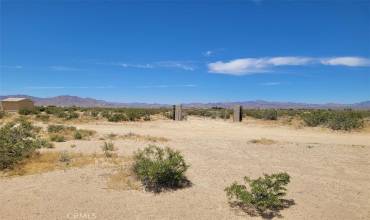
(67, 100)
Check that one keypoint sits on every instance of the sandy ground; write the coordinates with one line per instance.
(330, 174)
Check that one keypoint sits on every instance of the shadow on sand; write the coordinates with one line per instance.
(269, 214)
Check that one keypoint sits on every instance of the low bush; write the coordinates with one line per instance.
(346, 120)
(77, 135)
(264, 194)
(2, 114)
(65, 157)
(56, 132)
(59, 128)
(266, 114)
(117, 117)
(43, 118)
(107, 148)
(315, 117)
(26, 111)
(160, 168)
(336, 120)
(18, 140)
(57, 138)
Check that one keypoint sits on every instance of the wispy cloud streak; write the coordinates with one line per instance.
(67, 87)
(247, 66)
(165, 86)
(64, 68)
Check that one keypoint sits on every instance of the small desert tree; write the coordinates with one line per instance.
(265, 193)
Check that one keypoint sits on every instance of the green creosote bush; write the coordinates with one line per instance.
(77, 135)
(336, 120)
(346, 120)
(2, 114)
(57, 138)
(315, 117)
(26, 111)
(266, 114)
(160, 168)
(43, 118)
(60, 128)
(117, 117)
(264, 193)
(18, 140)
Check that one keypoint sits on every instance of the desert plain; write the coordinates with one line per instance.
(330, 173)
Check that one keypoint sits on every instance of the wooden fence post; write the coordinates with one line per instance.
(238, 113)
(177, 113)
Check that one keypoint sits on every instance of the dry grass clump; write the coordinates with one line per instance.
(60, 133)
(135, 137)
(264, 141)
(139, 137)
(123, 179)
(49, 161)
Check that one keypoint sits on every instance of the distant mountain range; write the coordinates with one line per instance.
(67, 100)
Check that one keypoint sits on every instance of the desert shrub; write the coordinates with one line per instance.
(65, 157)
(270, 114)
(57, 138)
(160, 168)
(147, 118)
(18, 140)
(43, 118)
(266, 114)
(346, 120)
(265, 193)
(133, 115)
(117, 117)
(168, 115)
(94, 113)
(59, 128)
(26, 111)
(315, 117)
(336, 120)
(77, 135)
(107, 148)
(70, 115)
(2, 114)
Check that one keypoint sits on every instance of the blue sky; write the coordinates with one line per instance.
(187, 51)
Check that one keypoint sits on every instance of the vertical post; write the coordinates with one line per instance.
(238, 113)
(174, 112)
(178, 112)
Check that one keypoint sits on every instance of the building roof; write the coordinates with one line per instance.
(14, 99)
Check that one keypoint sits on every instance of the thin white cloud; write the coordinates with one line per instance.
(67, 87)
(248, 66)
(140, 66)
(165, 86)
(64, 68)
(346, 61)
(208, 53)
(184, 65)
(270, 83)
(11, 67)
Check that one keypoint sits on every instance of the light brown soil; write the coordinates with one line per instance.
(330, 174)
